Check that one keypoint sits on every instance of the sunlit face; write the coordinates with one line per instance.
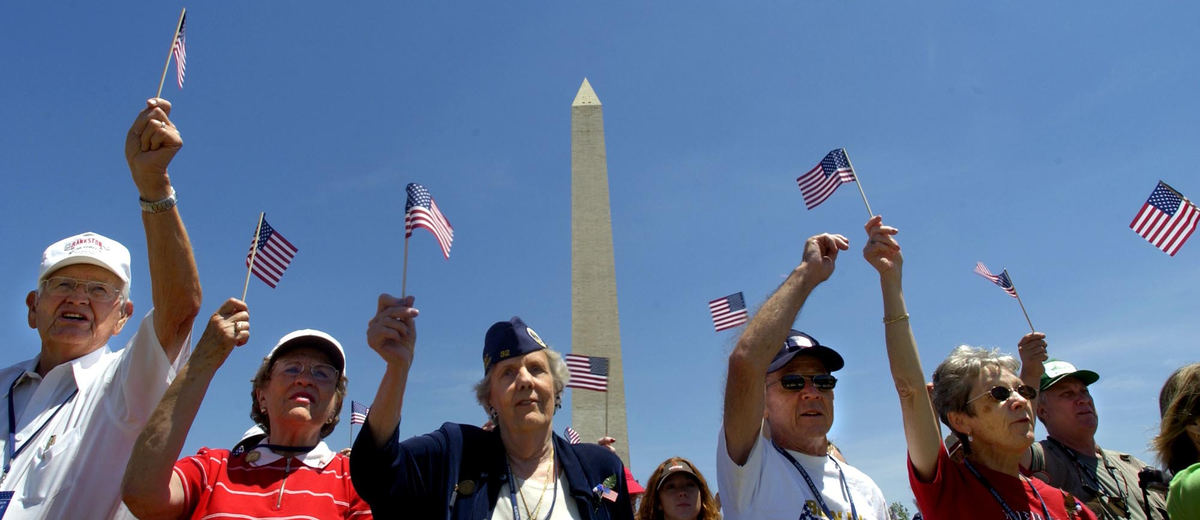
(1067, 409)
(805, 414)
(298, 401)
(1001, 426)
(74, 324)
(679, 497)
(522, 392)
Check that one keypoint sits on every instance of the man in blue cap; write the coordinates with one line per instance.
(773, 455)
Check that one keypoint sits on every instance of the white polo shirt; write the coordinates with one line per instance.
(769, 487)
(76, 426)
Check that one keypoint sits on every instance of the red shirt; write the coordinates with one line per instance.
(955, 493)
(316, 485)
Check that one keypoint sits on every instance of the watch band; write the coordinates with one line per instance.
(159, 206)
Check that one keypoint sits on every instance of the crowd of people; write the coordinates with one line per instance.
(78, 412)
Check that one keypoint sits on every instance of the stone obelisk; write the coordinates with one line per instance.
(595, 329)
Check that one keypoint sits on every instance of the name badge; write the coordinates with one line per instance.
(5, 498)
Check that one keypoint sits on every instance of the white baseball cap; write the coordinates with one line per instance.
(312, 338)
(86, 248)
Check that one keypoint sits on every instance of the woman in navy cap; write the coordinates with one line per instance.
(519, 470)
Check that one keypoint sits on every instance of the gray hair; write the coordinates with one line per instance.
(558, 369)
(953, 379)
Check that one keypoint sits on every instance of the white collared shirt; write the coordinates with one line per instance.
(72, 467)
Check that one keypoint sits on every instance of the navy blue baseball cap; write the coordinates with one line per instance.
(509, 339)
(801, 344)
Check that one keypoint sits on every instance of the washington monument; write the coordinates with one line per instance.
(595, 329)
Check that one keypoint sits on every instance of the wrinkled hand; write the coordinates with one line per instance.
(393, 332)
(607, 442)
(820, 254)
(150, 145)
(882, 251)
(1033, 352)
(229, 327)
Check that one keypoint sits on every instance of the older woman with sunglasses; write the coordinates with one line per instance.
(1178, 440)
(978, 395)
(285, 472)
(520, 470)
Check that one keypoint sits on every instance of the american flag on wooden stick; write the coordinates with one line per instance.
(422, 212)
(590, 373)
(180, 52)
(358, 412)
(1002, 280)
(821, 181)
(1167, 219)
(273, 257)
(729, 311)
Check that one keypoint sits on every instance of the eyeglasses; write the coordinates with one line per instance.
(321, 372)
(65, 286)
(1002, 393)
(795, 382)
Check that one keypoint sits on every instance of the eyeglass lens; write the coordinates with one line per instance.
(63, 285)
(796, 381)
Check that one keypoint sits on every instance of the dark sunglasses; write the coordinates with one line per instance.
(1002, 393)
(795, 382)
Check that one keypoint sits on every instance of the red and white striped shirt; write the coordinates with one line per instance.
(260, 484)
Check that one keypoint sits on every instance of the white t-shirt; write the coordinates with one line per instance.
(72, 467)
(769, 487)
(564, 505)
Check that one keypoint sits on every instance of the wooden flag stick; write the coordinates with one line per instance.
(1018, 295)
(858, 183)
(253, 252)
(404, 277)
(167, 65)
(606, 410)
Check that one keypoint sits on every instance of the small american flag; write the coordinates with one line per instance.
(358, 412)
(821, 181)
(590, 373)
(573, 435)
(605, 492)
(274, 255)
(1001, 279)
(180, 52)
(1166, 220)
(728, 312)
(422, 212)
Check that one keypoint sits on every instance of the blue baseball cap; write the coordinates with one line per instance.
(509, 339)
(798, 344)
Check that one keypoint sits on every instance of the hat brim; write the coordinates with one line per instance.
(827, 356)
(1087, 377)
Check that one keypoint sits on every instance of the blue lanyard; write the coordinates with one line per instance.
(512, 489)
(1008, 511)
(813, 487)
(11, 453)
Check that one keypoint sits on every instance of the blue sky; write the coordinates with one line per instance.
(1024, 138)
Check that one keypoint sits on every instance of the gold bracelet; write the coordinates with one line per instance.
(889, 321)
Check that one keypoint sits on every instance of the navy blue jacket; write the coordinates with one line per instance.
(456, 472)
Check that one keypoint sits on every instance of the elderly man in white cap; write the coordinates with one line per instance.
(1109, 482)
(789, 472)
(74, 410)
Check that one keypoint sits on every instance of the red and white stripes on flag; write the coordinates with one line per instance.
(1001, 280)
(422, 212)
(358, 412)
(180, 51)
(589, 373)
(573, 436)
(821, 181)
(1167, 219)
(728, 312)
(273, 257)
